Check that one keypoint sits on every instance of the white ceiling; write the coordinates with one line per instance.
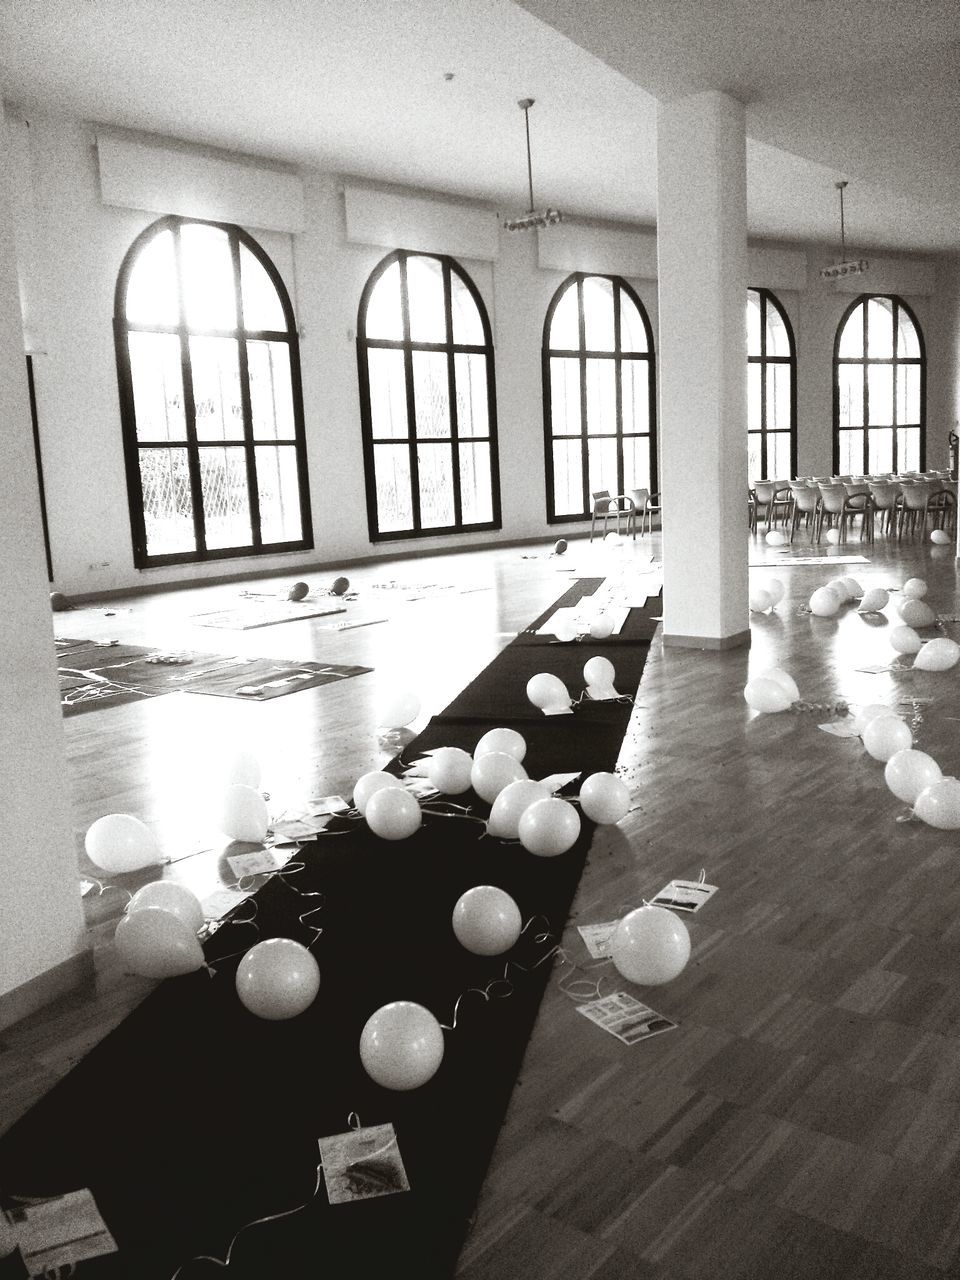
(864, 89)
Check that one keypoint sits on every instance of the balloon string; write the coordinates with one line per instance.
(105, 888)
(490, 991)
(272, 1217)
(569, 983)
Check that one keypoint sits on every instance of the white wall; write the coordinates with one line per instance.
(75, 245)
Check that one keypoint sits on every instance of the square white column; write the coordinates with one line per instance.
(702, 357)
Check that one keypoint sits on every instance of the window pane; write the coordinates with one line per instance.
(435, 463)
(476, 497)
(850, 377)
(880, 392)
(467, 323)
(152, 295)
(261, 302)
(431, 393)
(565, 324)
(157, 379)
(567, 478)
(226, 502)
(280, 518)
(470, 379)
(880, 454)
(908, 449)
(601, 397)
(633, 336)
(216, 389)
(908, 393)
(635, 390)
(778, 455)
(778, 339)
(388, 394)
(564, 395)
(851, 453)
(425, 295)
(383, 316)
(167, 501)
(598, 313)
(636, 463)
(271, 392)
(908, 340)
(851, 339)
(394, 502)
(210, 300)
(754, 399)
(602, 465)
(755, 468)
(778, 397)
(879, 329)
(753, 323)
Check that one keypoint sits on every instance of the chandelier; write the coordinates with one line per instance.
(843, 268)
(533, 218)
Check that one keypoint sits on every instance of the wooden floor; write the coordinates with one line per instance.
(804, 1119)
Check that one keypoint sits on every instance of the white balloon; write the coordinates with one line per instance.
(824, 602)
(601, 627)
(277, 979)
(449, 770)
(874, 600)
(548, 692)
(399, 708)
(369, 784)
(120, 842)
(914, 588)
(939, 805)
(885, 735)
(604, 798)
(940, 537)
(775, 538)
(486, 920)
(599, 671)
(833, 536)
(393, 814)
(650, 946)
(854, 589)
(549, 827)
(775, 590)
(170, 896)
(870, 712)
(916, 613)
(760, 600)
(905, 640)
(506, 740)
(613, 539)
(909, 772)
(767, 695)
(244, 814)
(839, 587)
(937, 655)
(156, 944)
(565, 630)
(510, 806)
(784, 680)
(494, 771)
(401, 1045)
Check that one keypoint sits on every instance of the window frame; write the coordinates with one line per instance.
(583, 354)
(451, 349)
(767, 298)
(865, 361)
(289, 336)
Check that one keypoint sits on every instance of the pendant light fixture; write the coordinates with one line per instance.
(843, 267)
(533, 218)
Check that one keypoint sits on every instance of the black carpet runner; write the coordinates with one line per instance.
(194, 1117)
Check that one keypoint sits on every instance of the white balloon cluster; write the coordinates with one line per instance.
(766, 597)
(913, 776)
(827, 600)
(157, 935)
(773, 690)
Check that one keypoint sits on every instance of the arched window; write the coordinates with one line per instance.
(427, 400)
(879, 389)
(209, 372)
(771, 389)
(598, 394)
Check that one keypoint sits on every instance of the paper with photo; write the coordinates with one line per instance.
(557, 781)
(419, 788)
(597, 938)
(216, 905)
(290, 830)
(328, 804)
(60, 1232)
(626, 1018)
(839, 729)
(362, 1164)
(254, 864)
(684, 895)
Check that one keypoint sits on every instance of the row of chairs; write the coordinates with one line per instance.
(891, 504)
(624, 510)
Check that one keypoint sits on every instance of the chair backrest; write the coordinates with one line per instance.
(884, 496)
(601, 501)
(854, 489)
(833, 496)
(915, 496)
(640, 499)
(805, 497)
(764, 489)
